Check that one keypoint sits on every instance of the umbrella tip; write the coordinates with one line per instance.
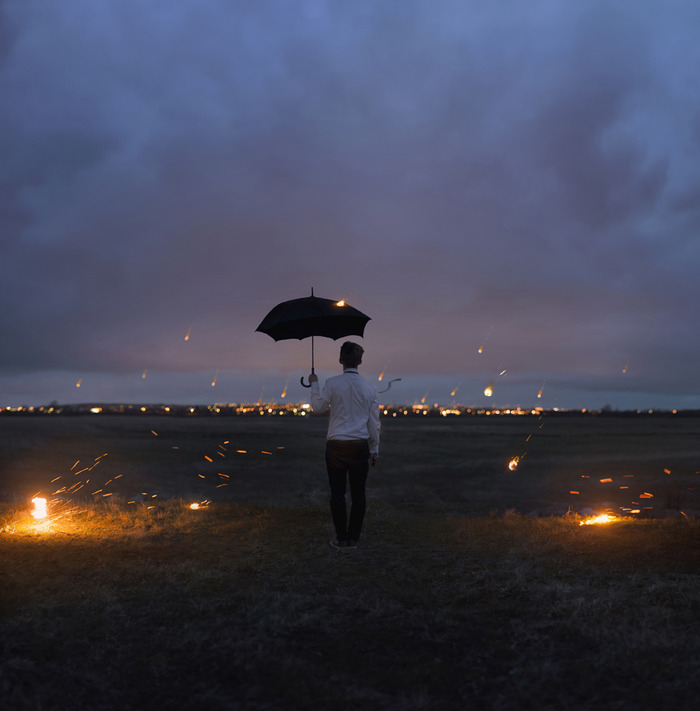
(312, 291)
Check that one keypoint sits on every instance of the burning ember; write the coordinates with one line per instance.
(513, 463)
(39, 511)
(603, 518)
(488, 390)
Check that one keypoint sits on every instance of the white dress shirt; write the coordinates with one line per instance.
(354, 408)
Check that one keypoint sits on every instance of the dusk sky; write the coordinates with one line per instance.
(520, 178)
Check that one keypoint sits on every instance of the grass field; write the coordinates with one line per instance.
(455, 599)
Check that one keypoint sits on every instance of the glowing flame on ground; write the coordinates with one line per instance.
(513, 463)
(488, 390)
(39, 511)
(603, 518)
(340, 303)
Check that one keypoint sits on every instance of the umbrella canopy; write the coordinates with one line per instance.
(312, 316)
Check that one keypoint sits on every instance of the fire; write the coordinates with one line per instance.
(78, 384)
(143, 375)
(481, 349)
(513, 463)
(39, 511)
(194, 507)
(603, 518)
(340, 303)
(488, 390)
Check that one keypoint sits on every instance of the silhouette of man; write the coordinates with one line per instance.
(352, 440)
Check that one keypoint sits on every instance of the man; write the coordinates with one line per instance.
(352, 440)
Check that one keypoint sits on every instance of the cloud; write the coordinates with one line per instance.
(448, 168)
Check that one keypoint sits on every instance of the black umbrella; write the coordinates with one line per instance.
(313, 316)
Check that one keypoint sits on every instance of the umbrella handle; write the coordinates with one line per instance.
(301, 380)
(387, 387)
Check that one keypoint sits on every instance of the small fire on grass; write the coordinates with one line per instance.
(39, 511)
(200, 505)
(602, 518)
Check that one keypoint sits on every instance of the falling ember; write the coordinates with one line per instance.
(422, 402)
(284, 392)
(454, 392)
(143, 375)
(340, 303)
(187, 335)
(194, 506)
(513, 463)
(77, 385)
(488, 390)
(504, 371)
(213, 382)
(603, 518)
(39, 511)
(539, 394)
(381, 375)
(627, 365)
(481, 349)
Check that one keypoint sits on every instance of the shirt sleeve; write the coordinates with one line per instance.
(373, 425)
(320, 401)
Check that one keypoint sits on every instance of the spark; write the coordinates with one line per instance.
(284, 392)
(194, 507)
(209, 459)
(213, 382)
(667, 471)
(539, 394)
(143, 375)
(422, 402)
(454, 392)
(605, 481)
(488, 390)
(187, 335)
(78, 384)
(154, 433)
(574, 492)
(513, 463)
(627, 365)
(504, 371)
(340, 303)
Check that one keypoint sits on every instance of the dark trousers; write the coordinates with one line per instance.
(347, 461)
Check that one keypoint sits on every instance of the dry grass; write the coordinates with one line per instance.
(243, 605)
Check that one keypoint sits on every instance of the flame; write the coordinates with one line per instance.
(454, 392)
(381, 375)
(481, 349)
(422, 401)
(39, 511)
(539, 394)
(603, 518)
(513, 463)
(488, 390)
(194, 507)
(77, 385)
(340, 303)
(143, 375)
(627, 365)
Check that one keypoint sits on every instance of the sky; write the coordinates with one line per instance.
(510, 190)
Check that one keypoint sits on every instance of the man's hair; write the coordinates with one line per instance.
(351, 354)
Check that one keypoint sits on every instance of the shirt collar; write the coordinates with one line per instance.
(349, 370)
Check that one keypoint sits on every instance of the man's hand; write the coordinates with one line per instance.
(374, 458)
(313, 378)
